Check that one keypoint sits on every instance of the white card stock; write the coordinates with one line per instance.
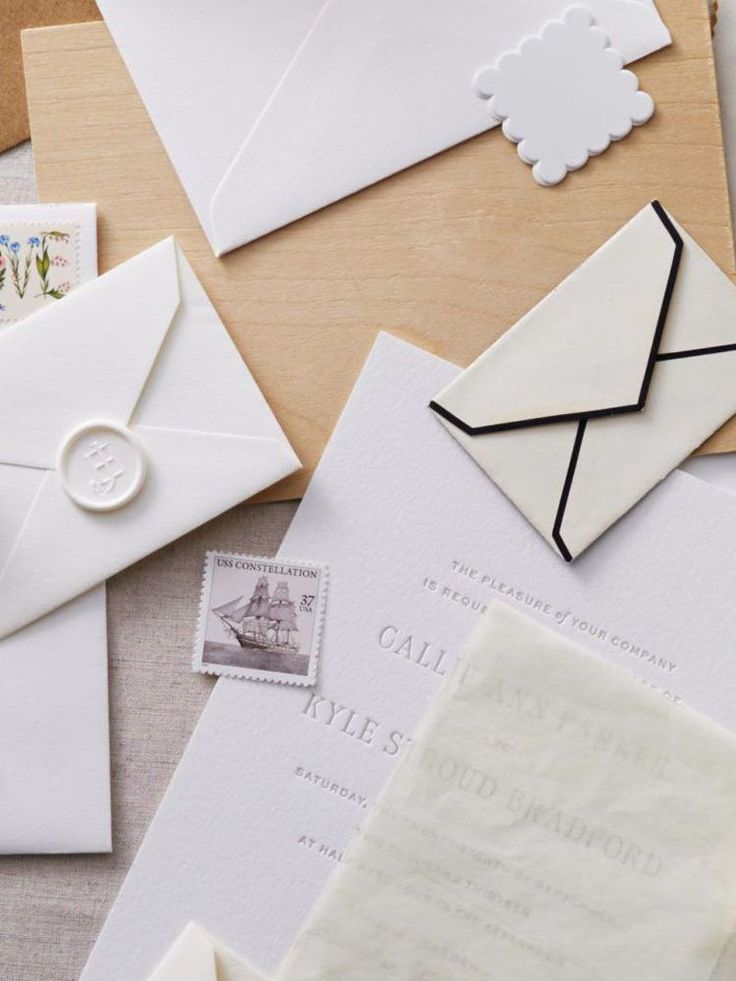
(563, 96)
(54, 764)
(130, 418)
(605, 386)
(276, 780)
(272, 111)
(554, 816)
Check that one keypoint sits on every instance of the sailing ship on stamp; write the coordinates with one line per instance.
(263, 623)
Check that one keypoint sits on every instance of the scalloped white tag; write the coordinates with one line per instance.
(563, 96)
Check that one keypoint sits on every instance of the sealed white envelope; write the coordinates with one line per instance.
(54, 763)
(198, 956)
(606, 385)
(272, 110)
(134, 419)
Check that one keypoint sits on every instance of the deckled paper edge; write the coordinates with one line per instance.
(248, 674)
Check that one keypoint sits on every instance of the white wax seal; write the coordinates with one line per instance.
(102, 466)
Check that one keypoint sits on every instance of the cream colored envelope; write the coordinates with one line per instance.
(272, 110)
(198, 956)
(133, 418)
(603, 388)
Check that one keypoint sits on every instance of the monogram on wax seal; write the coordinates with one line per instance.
(102, 466)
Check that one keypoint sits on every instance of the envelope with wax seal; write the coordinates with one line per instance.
(54, 763)
(606, 386)
(270, 111)
(198, 956)
(130, 407)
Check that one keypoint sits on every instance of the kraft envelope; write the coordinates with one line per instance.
(54, 765)
(134, 419)
(198, 956)
(270, 112)
(414, 558)
(604, 387)
(553, 816)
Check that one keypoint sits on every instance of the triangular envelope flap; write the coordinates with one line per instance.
(205, 78)
(192, 958)
(64, 550)
(377, 87)
(87, 357)
(200, 382)
(622, 459)
(529, 465)
(586, 348)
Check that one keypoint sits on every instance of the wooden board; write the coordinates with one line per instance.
(447, 255)
(16, 15)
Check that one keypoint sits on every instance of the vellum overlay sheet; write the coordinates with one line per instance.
(554, 820)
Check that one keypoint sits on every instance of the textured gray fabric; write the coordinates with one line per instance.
(17, 180)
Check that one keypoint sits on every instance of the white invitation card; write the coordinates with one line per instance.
(277, 780)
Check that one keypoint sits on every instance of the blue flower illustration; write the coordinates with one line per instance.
(15, 246)
(2, 308)
(33, 240)
(4, 239)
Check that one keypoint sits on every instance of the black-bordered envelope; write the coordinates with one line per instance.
(609, 383)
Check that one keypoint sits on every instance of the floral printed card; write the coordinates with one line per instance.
(45, 252)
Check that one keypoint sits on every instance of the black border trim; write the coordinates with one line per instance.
(557, 530)
(582, 417)
(612, 410)
(696, 352)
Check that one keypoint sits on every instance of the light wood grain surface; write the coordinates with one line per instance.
(15, 16)
(448, 254)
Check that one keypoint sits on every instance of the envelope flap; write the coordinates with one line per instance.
(377, 87)
(86, 357)
(192, 958)
(587, 349)
(201, 382)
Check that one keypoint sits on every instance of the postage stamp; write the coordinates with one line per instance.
(261, 618)
(39, 264)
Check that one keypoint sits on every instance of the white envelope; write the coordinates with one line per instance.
(605, 386)
(252, 826)
(198, 956)
(55, 759)
(54, 764)
(131, 419)
(272, 109)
